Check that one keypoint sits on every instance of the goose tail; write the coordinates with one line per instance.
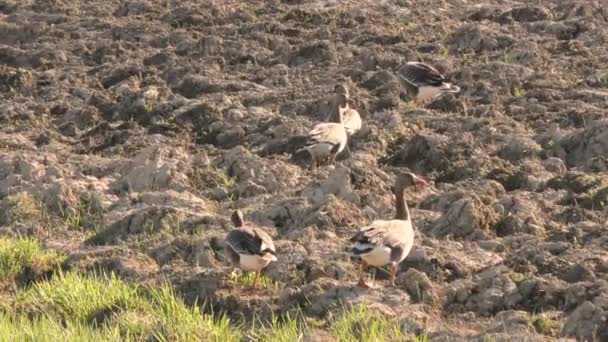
(450, 87)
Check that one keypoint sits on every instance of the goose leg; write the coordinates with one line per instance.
(393, 273)
(332, 159)
(362, 270)
(255, 280)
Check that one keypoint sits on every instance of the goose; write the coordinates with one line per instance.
(386, 242)
(350, 117)
(326, 140)
(427, 81)
(341, 89)
(250, 248)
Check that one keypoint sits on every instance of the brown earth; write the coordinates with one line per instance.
(150, 120)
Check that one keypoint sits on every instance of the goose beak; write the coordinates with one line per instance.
(419, 181)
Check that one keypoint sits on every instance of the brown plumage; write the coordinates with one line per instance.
(426, 80)
(386, 242)
(249, 248)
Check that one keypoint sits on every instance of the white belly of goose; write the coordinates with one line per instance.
(253, 263)
(321, 149)
(427, 93)
(379, 256)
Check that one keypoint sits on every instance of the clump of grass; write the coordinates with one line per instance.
(99, 305)
(45, 328)
(18, 254)
(71, 296)
(22, 208)
(362, 324)
(246, 279)
(285, 329)
(544, 324)
(519, 92)
(177, 322)
(226, 181)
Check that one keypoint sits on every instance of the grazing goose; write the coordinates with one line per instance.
(427, 81)
(251, 248)
(326, 140)
(387, 241)
(350, 117)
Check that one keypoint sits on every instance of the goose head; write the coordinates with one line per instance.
(341, 88)
(408, 179)
(237, 218)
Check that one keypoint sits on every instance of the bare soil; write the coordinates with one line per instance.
(140, 125)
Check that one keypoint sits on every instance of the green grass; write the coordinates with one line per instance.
(99, 307)
(286, 329)
(44, 328)
(177, 322)
(71, 296)
(225, 181)
(243, 279)
(22, 208)
(545, 324)
(362, 324)
(102, 305)
(18, 254)
(519, 92)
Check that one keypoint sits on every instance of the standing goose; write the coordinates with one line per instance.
(250, 248)
(427, 81)
(386, 242)
(326, 140)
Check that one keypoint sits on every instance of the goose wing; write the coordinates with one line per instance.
(250, 241)
(381, 233)
(326, 133)
(421, 74)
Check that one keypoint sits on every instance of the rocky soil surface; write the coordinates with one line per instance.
(141, 124)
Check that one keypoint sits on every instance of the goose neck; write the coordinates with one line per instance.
(402, 210)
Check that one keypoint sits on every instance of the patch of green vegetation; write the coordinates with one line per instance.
(576, 181)
(71, 296)
(242, 279)
(22, 208)
(19, 254)
(362, 324)
(544, 324)
(518, 277)
(226, 181)
(87, 214)
(44, 328)
(177, 322)
(600, 199)
(519, 91)
(285, 329)
(587, 190)
(99, 305)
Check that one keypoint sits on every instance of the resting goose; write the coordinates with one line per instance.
(386, 242)
(427, 81)
(250, 248)
(350, 117)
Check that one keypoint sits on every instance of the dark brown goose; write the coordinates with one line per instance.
(386, 242)
(249, 248)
